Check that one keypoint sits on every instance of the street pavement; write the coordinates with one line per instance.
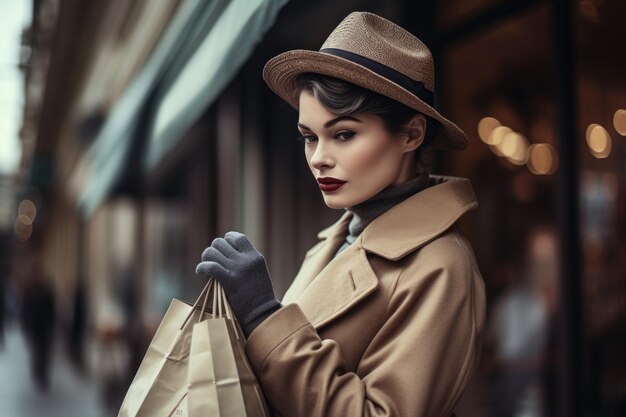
(69, 395)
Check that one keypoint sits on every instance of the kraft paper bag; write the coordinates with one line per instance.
(160, 384)
(221, 381)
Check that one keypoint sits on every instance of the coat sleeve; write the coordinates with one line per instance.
(416, 365)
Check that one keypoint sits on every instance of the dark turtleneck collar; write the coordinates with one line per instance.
(364, 213)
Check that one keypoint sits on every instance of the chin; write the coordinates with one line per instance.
(331, 204)
(334, 202)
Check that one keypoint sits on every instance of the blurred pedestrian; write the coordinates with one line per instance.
(78, 326)
(520, 331)
(2, 308)
(38, 319)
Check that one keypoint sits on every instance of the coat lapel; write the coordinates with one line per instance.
(328, 285)
(318, 257)
(344, 282)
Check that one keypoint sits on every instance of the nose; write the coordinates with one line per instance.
(322, 156)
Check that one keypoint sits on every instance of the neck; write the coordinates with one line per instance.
(364, 213)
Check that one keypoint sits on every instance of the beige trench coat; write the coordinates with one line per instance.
(392, 326)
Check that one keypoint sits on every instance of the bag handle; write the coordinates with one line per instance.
(214, 309)
(206, 297)
(221, 307)
(218, 301)
(205, 292)
(219, 298)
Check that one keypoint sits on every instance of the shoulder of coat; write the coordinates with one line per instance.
(446, 257)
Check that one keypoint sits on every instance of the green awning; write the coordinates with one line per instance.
(200, 51)
(107, 157)
(216, 61)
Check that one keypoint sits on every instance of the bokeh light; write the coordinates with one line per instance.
(24, 219)
(599, 141)
(514, 147)
(485, 127)
(497, 134)
(588, 131)
(542, 159)
(22, 231)
(496, 150)
(619, 121)
(27, 208)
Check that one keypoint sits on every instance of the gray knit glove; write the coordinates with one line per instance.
(242, 272)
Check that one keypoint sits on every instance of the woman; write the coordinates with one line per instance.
(385, 317)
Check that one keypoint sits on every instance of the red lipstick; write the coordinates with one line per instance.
(330, 184)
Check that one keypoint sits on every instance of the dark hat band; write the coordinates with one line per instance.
(415, 87)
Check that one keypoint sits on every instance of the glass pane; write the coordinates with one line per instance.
(601, 127)
(498, 86)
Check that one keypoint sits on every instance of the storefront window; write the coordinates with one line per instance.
(498, 86)
(601, 128)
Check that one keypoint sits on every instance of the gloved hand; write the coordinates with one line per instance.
(242, 272)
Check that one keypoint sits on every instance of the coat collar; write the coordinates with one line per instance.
(328, 285)
(413, 222)
(420, 218)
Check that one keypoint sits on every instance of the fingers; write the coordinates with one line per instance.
(212, 254)
(229, 248)
(223, 247)
(212, 269)
(239, 241)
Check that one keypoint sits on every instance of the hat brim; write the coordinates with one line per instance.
(281, 72)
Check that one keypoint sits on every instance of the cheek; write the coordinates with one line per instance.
(377, 156)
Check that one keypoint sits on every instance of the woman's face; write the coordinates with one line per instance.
(352, 157)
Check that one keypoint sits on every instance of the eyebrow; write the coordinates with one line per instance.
(332, 122)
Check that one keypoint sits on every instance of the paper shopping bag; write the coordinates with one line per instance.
(160, 384)
(221, 381)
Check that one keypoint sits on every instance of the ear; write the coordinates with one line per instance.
(415, 132)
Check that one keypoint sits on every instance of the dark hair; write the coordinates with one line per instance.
(342, 97)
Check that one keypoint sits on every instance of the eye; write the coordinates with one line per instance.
(307, 138)
(344, 135)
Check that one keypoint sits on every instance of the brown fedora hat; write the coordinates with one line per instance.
(376, 54)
